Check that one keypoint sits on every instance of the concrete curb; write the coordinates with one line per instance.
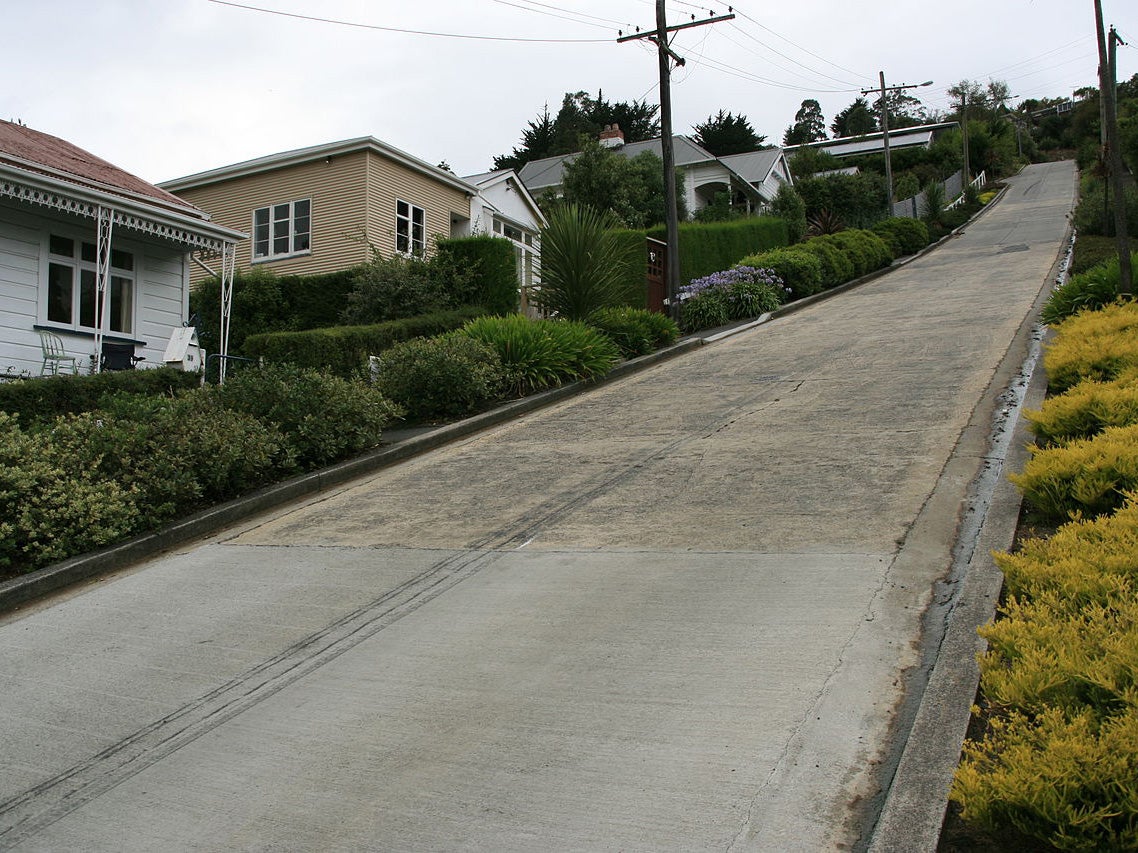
(916, 800)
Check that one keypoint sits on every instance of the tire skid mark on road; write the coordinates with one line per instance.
(38, 807)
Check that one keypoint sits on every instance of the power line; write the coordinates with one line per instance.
(784, 56)
(609, 23)
(357, 25)
(755, 78)
(744, 15)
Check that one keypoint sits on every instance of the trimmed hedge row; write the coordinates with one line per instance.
(708, 247)
(44, 399)
(85, 480)
(344, 350)
(823, 262)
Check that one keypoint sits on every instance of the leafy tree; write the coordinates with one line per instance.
(904, 110)
(632, 189)
(537, 142)
(789, 206)
(809, 125)
(807, 162)
(725, 133)
(854, 120)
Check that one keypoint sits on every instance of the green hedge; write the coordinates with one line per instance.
(800, 271)
(344, 350)
(634, 248)
(45, 398)
(495, 285)
(905, 236)
(265, 302)
(708, 247)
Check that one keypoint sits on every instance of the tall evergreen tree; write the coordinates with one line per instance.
(854, 120)
(809, 125)
(724, 134)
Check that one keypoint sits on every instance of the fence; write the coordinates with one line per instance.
(914, 207)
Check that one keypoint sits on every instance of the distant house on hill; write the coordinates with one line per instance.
(77, 233)
(751, 179)
(874, 143)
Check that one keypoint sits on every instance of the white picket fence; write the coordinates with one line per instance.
(914, 206)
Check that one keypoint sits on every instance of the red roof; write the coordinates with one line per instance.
(82, 167)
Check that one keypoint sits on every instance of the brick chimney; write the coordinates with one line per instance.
(612, 136)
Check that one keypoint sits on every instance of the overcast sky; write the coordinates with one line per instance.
(166, 88)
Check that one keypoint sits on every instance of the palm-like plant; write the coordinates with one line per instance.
(582, 267)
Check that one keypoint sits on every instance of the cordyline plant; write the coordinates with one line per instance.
(582, 267)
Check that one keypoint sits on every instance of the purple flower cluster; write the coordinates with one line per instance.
(736, 275)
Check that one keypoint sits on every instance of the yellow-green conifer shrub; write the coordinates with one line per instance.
(1086, 409)
(1084, 476)
(1069, 780)
(1082, 561)
(1093, 345)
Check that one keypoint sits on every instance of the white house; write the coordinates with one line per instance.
(504, 208)
(77, 232)
(751, 179)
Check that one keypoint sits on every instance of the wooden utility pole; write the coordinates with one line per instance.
(885, 128)
(667, 151)
(1112, 154)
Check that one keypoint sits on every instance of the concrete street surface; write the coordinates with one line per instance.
(676, 612)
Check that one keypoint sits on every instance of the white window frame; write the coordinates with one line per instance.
(410, 228)
(281, 230)
(83, 275)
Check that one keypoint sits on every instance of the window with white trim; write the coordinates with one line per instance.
(71, 291)
(282, 230)
(410, 228)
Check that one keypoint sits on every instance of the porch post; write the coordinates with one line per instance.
(102, 278)
(228, 262)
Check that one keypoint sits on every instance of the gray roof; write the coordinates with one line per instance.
(753, 166)
(905, 137)
(538, 175)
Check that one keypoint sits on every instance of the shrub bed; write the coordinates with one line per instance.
(1093, 345)
(837, 268)
(344, 350)
(800, 271)
(905, 236)
(1057, 758)
(1093, 289)
(85, 480)
(445, 377)
(46, 398)
(539, 354)
(1086, 409)
(739, 293)
(635, 331)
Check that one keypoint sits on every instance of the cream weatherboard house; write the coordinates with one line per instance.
(77, 233)
(325, 208)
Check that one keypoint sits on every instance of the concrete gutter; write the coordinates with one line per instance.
(398, 445)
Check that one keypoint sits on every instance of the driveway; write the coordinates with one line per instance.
(675, 612)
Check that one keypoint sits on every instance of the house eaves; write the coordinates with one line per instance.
(186, 226)
(300, 156)
(510, 177)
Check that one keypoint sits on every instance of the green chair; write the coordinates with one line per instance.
(54, 355)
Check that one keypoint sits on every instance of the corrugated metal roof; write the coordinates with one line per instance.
(753, 166)
(32, 150)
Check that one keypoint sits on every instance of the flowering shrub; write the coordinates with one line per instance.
(735, 294)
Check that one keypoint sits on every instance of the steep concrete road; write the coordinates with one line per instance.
(675, 612)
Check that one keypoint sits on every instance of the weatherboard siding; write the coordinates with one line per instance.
(160, 289)
(336, 187)
(389, 182)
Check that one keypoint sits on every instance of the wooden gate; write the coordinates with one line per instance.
(657, 275)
